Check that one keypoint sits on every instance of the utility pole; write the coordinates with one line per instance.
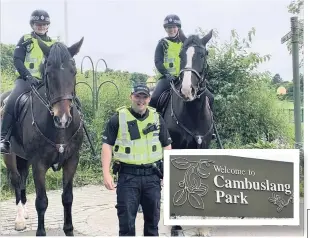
(294, 35)
(296, 80)
(66, 21)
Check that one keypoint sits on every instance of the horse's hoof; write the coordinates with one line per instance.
(20, 225)
(177, 233)
(41, 233)
(69, 233)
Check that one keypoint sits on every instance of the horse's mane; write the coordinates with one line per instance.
(58, 54)
(192, 40)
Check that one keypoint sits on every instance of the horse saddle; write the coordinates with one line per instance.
(20, 105)
(163, 101)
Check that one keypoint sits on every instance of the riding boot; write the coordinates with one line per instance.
(6, 128)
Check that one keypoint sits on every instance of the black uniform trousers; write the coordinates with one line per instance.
(133, 190)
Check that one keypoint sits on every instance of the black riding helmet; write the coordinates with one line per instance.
(39, 16)
(172, 20)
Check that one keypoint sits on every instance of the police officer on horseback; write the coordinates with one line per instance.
(167, 60)
(27, 59)
(136, 136)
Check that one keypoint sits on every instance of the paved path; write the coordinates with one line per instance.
(94, 214)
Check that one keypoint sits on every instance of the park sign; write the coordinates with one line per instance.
(219, 187)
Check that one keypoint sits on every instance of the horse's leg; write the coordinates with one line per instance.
(23, 169)
(15, 178)
(39, 172)
(69, 170)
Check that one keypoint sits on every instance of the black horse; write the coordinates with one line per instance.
(186, 107)
(48, 133)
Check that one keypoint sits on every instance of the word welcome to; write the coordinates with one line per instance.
(225, 170)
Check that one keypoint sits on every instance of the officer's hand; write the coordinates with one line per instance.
(108, 181)
(32, 80)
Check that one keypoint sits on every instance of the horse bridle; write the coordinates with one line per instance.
(202, 89)
(49, 102)
(201, 77)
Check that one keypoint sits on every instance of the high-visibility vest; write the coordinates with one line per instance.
(145, 150)
(172, 61)
(34, 56)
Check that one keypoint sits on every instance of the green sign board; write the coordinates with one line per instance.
(251, 185)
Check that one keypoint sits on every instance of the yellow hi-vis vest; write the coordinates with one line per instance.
(145, 150)
(172, 59)
(34, 56)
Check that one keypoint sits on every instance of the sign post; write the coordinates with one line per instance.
(294, 35)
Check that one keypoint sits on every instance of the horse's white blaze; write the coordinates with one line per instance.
(187, 82)
(20, 222)
(63, 120)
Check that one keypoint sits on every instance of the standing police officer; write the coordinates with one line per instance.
(27, 59)
(136, 136)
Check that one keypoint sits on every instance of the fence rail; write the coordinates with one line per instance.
(290, 114)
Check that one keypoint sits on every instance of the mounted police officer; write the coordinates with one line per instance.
(167, 60)
(136, 136)
(27, 59)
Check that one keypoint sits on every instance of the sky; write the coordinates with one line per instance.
(125, 32)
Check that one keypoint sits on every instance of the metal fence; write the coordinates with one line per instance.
(290, 114)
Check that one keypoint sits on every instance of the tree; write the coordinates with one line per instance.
(138, 77)
(277, 79)
(6, 59)
(246, 107)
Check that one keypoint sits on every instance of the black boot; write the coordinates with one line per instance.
(6, 128)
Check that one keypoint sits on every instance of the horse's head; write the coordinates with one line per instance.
(59, 79)
(193, 65)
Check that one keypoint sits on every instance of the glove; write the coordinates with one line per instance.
(32, 80)
(170, 77)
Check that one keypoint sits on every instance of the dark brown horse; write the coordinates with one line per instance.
(48, 133)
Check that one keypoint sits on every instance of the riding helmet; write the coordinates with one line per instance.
(172, 20)
(39, 16)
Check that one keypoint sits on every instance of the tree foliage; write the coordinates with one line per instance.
(6, 59)
(246, 105)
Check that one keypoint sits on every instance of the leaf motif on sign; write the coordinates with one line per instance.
(180, 197)
(181, 163)
(192, 186)
(182, 184)
(202, 172)
(202, 190)
(195, 200)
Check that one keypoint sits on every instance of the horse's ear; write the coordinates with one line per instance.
(182, 36)
(75, 48)
(45, 49)
(207, 37)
